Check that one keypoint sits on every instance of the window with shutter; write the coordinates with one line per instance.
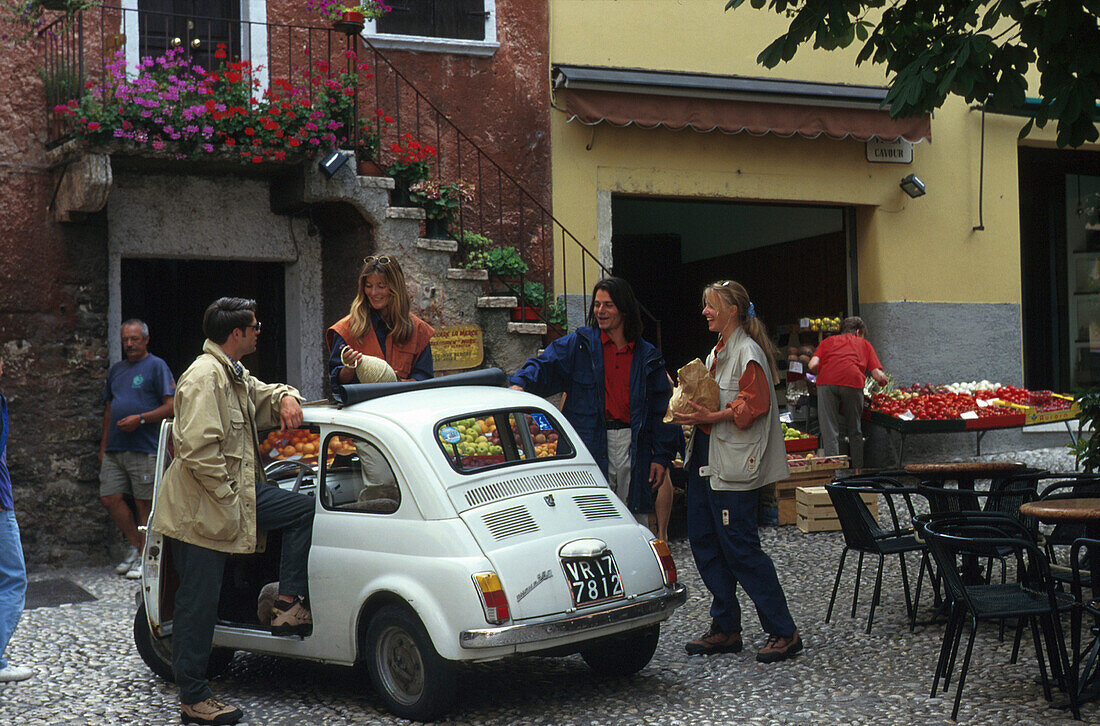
(451, 19)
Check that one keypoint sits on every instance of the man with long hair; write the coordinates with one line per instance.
(616, 393)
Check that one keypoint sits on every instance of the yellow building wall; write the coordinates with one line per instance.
(921, 249)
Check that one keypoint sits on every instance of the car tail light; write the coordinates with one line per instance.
(493, 601)
(664, 556)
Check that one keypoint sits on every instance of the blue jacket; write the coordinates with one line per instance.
(573, 365)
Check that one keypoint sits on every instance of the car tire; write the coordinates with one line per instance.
(406, 671)
(623, 655)
(157, 652)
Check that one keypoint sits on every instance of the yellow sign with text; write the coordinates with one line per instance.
(457, 346)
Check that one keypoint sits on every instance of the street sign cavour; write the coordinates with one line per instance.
(890, 152)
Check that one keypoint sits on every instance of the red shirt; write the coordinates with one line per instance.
(616, 379)
(845, 361)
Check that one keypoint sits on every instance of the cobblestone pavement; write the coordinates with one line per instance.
(89, 671)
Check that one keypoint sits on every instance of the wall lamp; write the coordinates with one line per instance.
(334, 160)
(912, 186)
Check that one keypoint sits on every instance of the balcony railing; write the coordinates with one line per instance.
(78, 54)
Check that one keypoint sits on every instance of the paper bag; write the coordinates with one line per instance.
(694, 384)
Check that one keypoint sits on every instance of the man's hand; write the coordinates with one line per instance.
(290, 413)
(130, 424)
(516, 388)
(656, 475)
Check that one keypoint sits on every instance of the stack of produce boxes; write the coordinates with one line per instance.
(808, 468)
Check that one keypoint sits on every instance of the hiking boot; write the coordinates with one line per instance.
(715, 641)
(210, 711)
(128, 562)
(778, 648)
(291, 618)
(11, 673)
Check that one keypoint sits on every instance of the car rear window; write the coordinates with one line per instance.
(498, 438)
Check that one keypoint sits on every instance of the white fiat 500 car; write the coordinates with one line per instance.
(456, 520)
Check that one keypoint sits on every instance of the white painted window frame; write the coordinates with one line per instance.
(429, 44)
(253, 15)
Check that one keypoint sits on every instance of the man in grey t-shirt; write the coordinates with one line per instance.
(139, 395)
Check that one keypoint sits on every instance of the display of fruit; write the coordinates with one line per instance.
(301, 445)
(793, 433)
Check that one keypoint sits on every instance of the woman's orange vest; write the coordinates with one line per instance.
(400, 356)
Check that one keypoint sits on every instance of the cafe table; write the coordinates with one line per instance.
(1087, 511)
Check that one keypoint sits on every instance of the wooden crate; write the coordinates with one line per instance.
(781, 494)
(814, 510)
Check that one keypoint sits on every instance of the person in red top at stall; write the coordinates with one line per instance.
(841, 364)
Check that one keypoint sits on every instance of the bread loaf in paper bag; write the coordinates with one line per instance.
(694, 384)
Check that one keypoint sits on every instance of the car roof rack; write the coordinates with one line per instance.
(359, 392)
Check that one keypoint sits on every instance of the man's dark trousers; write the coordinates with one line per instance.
(200, 571)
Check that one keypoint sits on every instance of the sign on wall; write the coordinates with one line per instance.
(890, 152)
(457, 346)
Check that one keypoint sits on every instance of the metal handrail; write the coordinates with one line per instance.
(503, 208)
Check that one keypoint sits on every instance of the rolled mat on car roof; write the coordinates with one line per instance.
(358, 392)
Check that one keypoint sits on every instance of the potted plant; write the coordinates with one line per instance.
(1086, 448)
(366, 148)
(440, 199)
(476, 251)
(557, 323)
(531, 297)
(409, 165)
(29, 13)
(348, 16)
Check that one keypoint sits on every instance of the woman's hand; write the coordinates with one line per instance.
(350, 357)
(701, 415)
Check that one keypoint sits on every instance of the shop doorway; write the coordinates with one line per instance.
(1060, 268)
(171, 296)
(796, 261)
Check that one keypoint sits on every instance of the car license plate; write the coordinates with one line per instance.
(593, 579)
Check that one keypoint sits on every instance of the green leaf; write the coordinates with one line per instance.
(1026, 129)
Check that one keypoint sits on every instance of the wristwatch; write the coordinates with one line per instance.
(141, 417)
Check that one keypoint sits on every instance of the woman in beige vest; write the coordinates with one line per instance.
(734, 452)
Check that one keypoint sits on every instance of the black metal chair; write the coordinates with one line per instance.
(1063, 534)
(1031, 596)
(863, 534)
(1085, 551)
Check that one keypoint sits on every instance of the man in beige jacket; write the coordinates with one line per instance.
(214, 501)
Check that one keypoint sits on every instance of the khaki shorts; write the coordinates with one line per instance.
(127, 472)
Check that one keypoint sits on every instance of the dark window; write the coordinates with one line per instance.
(459, 19)
(198, 26)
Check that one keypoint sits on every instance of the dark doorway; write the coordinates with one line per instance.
(1060, 262)
(171, 296)
(792, 259)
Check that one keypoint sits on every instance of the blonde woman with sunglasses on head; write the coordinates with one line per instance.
(734, 452)
(380, 325)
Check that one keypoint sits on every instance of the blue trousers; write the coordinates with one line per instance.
(725, 542)
(13, 579)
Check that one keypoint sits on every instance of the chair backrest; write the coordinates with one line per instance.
(953, 539)
(856, 522)
(1068, 486)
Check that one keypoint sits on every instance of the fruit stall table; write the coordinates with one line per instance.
(1018, 419)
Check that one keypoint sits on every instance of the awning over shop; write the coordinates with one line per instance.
(731, 104)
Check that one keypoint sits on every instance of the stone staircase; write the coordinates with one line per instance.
(441, 294)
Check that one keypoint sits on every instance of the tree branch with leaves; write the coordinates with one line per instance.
(980, 50)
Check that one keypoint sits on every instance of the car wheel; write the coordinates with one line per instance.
(405, 669)
(623, 655)
(157, 652)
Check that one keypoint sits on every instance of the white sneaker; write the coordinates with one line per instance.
(127, 564)
(11, 673)
(134, 573)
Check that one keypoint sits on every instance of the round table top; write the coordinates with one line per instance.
(1083, 509)
(967, 468)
